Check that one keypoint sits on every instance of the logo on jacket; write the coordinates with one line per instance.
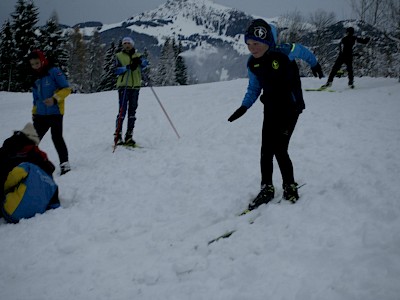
(275, 64)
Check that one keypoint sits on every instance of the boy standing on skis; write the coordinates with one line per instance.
(345, 56)
(128, 67)
(272, 72)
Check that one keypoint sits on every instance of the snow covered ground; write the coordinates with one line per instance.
(135, 224)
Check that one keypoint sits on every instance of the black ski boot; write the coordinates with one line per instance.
(128, 139)
(326, 85)
(266, 194)
(64, 168)
(290, 192)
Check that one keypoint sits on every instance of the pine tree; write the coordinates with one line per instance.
(77, 60)
(321, 42)
(6, 57)
(108, 77)
(24, 23)
(94, 60)
(146, 80)
(165, 71)
(54, 44)
(181, 70)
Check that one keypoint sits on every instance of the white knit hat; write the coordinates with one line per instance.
(31, 133)
(129, 40)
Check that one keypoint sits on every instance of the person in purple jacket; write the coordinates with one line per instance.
(50, 88)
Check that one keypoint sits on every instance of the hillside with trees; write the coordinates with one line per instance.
(87, 59)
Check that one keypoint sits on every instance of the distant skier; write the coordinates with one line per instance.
(272, 72)
(345, 56)
(128, 66)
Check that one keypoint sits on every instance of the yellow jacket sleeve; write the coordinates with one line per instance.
(60, 96)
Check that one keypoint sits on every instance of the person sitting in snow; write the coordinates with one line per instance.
(345, 57)
(272, 72)
(26, 177)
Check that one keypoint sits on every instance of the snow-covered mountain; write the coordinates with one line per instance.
(211, 35)
(212, 39)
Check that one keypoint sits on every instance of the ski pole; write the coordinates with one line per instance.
(162, 107)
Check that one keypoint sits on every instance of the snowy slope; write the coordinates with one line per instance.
(135, 224)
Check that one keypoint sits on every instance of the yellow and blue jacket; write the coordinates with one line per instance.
(28, 191)
(53, 85)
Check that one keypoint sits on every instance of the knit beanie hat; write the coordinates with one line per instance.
(129, 40)
(31, 133)
(260, 31)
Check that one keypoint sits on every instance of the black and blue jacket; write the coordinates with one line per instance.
(273, 74)
(260, 79)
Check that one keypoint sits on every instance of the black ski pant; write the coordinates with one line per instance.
(276, 135)
(128, 101)
(348, 61)
(43, 123)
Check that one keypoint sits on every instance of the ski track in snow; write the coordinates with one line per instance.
(135, 224)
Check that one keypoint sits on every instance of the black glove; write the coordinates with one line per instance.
(135, 62)
(317, 71)
(262, 98)
(238, 113)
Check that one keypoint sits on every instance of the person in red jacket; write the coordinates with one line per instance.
(346, 56)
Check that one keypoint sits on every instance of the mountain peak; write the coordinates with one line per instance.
(187, 8)
(188, 18)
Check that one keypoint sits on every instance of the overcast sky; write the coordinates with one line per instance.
(71, 12)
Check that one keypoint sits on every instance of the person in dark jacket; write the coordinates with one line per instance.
(128, 66)
(346, 56)
(26, 177)
(49, 90)
(272, 72)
